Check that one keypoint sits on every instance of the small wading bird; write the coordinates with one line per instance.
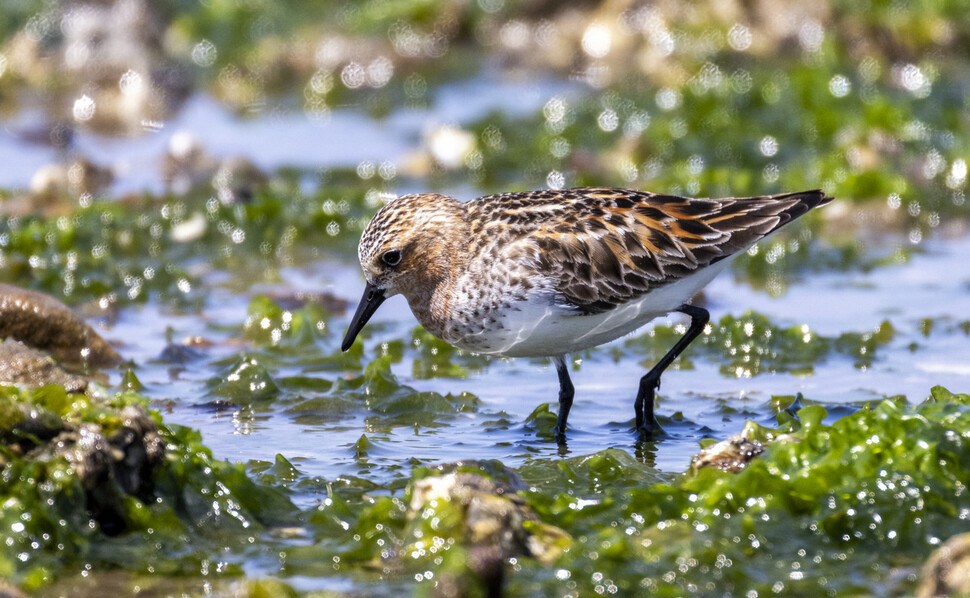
(548, 273)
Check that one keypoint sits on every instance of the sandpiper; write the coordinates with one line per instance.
(547, 273)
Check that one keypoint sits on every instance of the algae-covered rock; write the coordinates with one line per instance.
(492, 515)
(110, 460)
(55, 188)
(731, 454)
(735, 453)
(102, 481)
(45, 323)
(19, 364)
(263, 588)
(485, 517)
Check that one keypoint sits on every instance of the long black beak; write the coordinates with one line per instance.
(372, 299)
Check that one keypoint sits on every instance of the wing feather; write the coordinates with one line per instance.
(602, 247)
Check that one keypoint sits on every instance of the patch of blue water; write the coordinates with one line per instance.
(278, 137)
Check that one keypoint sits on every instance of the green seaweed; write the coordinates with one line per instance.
(270, 324)
(396, 404)
(198, 506)
(435, 358)
(246, 381)
(132, 252)
(827, 508)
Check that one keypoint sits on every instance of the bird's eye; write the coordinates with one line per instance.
(392, 257)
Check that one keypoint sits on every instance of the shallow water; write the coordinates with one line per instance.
(928, 286)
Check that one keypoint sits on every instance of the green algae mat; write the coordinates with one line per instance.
(853, 505)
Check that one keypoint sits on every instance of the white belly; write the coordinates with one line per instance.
(539, 328)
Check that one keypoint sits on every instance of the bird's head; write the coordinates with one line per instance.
(407, 248)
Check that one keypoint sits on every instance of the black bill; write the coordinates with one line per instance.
(372, 299)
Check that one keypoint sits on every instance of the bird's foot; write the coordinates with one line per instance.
(650, 431)
(559, 432)
(646, 426)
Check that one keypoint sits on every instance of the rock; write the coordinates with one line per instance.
(495, 522)
(947, 572)
(9, 591)
(22, 365)
(56, 187)
(109, 467)
(262, 588)
(104, 308)
(198, 342)
(218, 406)
(189, 230)
(57, 134)
(22, 426)
(730, 455)
(142, 449)
(450, 146)
(180, 354)
(42, 322)
(237, 180)
(92, 457)
(186, 163)
(73, 179)
(605, 42)
(114, 51)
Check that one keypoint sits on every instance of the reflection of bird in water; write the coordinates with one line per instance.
(547, 273)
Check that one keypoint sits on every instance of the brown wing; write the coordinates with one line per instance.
(606, 246)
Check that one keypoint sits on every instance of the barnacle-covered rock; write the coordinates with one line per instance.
(731, 454)
(40, 321)
(20, 364)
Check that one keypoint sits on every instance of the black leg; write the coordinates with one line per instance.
(646, 421)
(566, 392)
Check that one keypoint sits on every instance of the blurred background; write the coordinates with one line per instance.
(866, 100)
